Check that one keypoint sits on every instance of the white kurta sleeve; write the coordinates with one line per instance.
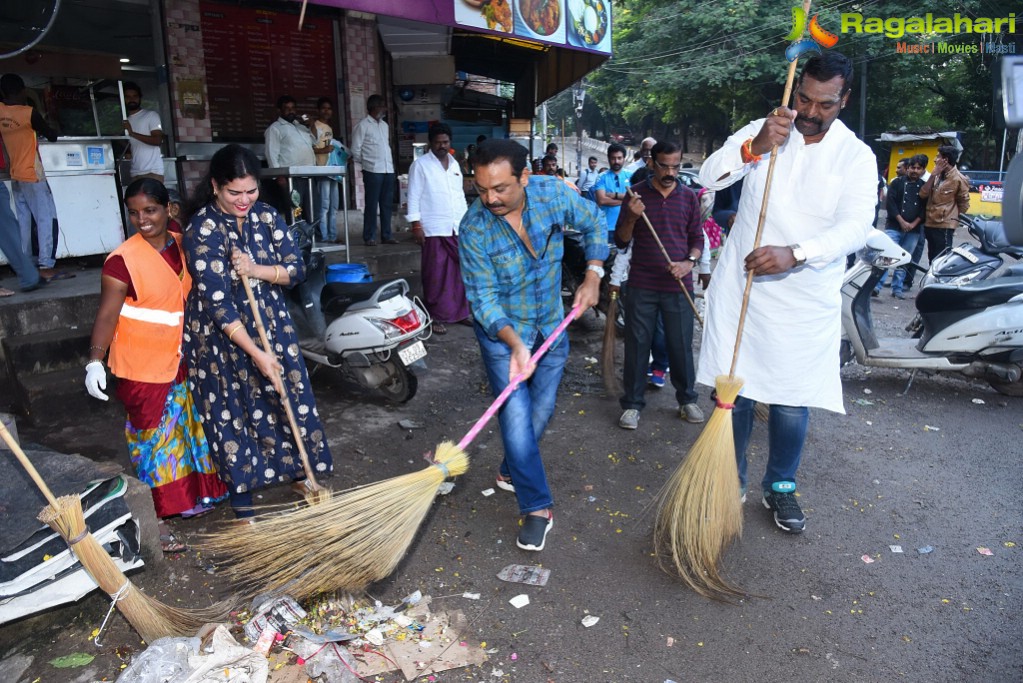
(724, 167)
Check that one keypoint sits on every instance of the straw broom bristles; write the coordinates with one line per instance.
(699, 511)
(150, 617)
(370, 529)
(608, 371)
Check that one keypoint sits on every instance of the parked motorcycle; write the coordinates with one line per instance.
(372, 332)
(975, 329)
(968, 262)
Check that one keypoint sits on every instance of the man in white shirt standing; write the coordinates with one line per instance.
(436, 204)
(145, 133)
(821, 204)
(290, 143)
(371, 147)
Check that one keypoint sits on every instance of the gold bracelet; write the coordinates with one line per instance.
(230, 334)
(277, 274)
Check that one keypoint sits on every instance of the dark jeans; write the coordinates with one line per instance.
(786, 430)
(918, 253)
(641, 311)
(938, 240)
(908, 241)
(379, 193)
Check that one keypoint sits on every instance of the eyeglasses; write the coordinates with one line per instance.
(667, 167)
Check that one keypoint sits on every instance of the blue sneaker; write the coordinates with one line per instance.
(656, 378)
(781, 500)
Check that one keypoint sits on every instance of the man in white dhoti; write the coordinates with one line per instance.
(821, 203)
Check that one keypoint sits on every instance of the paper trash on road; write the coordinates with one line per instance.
(985, 551)
(531, 575)
(589, 620)
(895, 548)
(926, 549)
(519, 601)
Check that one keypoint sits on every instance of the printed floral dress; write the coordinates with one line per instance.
(243, 416)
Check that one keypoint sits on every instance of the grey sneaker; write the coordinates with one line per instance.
(629, 419)
(692, 413)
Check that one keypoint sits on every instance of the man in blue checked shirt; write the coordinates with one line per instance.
(511, 246)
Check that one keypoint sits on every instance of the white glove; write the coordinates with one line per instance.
(96, 379)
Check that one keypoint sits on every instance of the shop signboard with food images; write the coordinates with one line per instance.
(579, 24)
(582, 24)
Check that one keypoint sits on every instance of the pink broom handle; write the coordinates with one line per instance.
(499, 401)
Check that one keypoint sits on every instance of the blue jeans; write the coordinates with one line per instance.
(786, 435)
(379, 193)
(326, 208)
(34, 200)
(643, 308)
(908, 241)
(10, 243)
(524, 416)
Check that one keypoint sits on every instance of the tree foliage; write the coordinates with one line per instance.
(693, 69)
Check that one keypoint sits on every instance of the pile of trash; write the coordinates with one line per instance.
(332, 640)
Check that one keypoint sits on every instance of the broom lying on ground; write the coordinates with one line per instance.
(358, 536)
(699, 511)
(150, 617)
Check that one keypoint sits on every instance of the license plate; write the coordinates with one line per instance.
(966, 254)
(411, 353)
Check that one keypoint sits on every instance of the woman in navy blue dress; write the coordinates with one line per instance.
(236, 384)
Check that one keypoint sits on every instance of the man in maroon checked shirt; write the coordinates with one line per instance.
(674, 211)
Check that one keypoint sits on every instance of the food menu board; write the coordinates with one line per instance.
(252, 57)
(579, 23)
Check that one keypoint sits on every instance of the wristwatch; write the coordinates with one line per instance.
(694, 259)
(596, 269)
(798, 254)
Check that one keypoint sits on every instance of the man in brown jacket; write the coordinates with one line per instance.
(947, 193)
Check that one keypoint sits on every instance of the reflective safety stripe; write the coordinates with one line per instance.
(152, 315)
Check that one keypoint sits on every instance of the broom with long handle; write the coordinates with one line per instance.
(150, 617)
(699, 511)
(612, 384)
(667, 257)
(314, 493)
(359, 536)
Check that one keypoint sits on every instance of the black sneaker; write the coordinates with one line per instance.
(781, 499)
(533, 533)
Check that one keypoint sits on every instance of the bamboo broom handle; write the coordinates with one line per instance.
(664, 251)
(285, 401)
(27, 464)
(789, 80)
(503, 396)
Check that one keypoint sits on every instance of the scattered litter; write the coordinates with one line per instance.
(471, 596)
(72, 661)
(671, 641)
(513, 656)
(816, 597)
(487, 492)
(929, 428)
(591, 499)
(869, 423)
(590, 359)
(979, 401)
(985, 551)
(590, 620)
(531, 575)
(278, 613)
(926, 549)
(867, 391)
(895, 548)
(867, 559)
(862, 402)
(519, 601)
(1009, 544)
(410, 424)
(445, 488)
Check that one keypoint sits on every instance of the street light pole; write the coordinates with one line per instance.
(578, 97)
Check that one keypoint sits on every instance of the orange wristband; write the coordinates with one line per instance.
(748, 157)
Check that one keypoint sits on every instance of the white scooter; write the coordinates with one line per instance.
(372, 332)
(974, 329)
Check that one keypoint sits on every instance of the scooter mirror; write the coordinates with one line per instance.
(886, 253)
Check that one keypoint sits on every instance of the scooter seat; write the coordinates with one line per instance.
(338, 297)
(939, 298)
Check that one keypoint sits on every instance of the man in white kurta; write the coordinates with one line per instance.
(820, 208)
(436, 204)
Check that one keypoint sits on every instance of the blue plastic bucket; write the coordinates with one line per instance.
(348, 272)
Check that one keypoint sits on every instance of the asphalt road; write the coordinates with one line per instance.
(932, 468)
